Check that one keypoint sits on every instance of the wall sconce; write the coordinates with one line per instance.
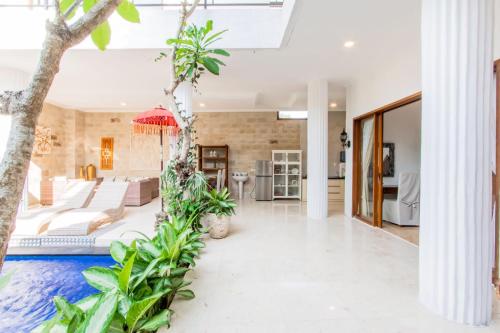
(344, 139)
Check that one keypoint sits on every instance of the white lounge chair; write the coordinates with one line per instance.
(405, 210)
(76, 194)
(106, 206)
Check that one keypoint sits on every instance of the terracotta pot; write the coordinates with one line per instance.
(218, 225)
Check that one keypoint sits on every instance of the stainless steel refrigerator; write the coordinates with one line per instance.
(263, 180)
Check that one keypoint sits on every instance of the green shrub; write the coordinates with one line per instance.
(219, 203)
(134, 294)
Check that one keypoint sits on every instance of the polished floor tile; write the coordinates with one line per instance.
(281, 272)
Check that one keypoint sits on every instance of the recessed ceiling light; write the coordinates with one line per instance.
(123, 104)
(333, 105)
(349, 44)
(202, 105)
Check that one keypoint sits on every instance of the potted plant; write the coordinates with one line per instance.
(220, 207)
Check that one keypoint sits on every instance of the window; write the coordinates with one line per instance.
(292, 115)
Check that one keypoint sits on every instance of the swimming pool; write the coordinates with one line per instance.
(27, 300)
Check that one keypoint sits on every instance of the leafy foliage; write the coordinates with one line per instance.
(134, 295)
(193, 55)
(101, 36)
(220, 203)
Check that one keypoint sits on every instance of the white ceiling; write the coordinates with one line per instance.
(263, 79)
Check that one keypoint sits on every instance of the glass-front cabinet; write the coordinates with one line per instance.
(287, 174)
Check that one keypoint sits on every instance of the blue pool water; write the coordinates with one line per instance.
(27, 300)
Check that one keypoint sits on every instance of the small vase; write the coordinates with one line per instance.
(218, 226)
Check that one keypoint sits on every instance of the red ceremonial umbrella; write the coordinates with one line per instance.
(157, 121)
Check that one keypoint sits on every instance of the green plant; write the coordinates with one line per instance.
(136, 293)
(220, 203)
(193, 55)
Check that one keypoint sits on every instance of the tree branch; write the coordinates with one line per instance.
(185, 14)
(91, 20)
(71, 8)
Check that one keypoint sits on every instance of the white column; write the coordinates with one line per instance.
(457, 119)
(317, 149)
(184, 96)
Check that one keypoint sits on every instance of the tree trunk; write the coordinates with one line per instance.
(25, 107)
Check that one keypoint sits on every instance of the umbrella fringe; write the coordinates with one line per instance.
(150, 129)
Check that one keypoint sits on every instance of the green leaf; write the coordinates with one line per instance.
(118, 251)
(116, 325)
(209, 26)
(220, 52)
(128, 11)
(213, 37)
(150, 248)
(88, 302)
(64, 6)
(179, 271)
(186, 293)
(124, 276)
(138, 310)
(101, 35)
(101, 278)
(100, 316)
(4, 280)
(210, 65)
(87, 4)
(146, 272)
(157, 321)
(67, 310)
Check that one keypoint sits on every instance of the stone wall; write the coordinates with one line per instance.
(134, 155)
(251, 136)
(65, 151)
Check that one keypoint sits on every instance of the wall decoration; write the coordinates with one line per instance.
(43, 140)
(106, 153)
(388, 159)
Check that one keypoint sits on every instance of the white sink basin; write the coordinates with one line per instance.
(240, 178)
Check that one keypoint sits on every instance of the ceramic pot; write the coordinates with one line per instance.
(218, 226)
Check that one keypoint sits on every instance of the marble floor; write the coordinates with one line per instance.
(280, 272)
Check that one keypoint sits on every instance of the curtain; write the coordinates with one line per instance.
(367, 156)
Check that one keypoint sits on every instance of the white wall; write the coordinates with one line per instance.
(336, 122)
(399, 78)
(402, 127)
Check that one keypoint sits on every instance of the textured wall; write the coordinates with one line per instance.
(133, 155)
(61, 160)
(251, 136)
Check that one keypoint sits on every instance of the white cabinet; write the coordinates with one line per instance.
(287, 174)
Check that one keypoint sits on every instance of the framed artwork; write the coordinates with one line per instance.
(388, 159)
(43, 140)
(106, 160)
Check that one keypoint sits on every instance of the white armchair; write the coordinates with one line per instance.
(405, 210)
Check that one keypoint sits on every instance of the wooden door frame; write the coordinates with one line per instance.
(377, 158)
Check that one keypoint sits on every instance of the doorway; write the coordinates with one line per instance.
(370, 163)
